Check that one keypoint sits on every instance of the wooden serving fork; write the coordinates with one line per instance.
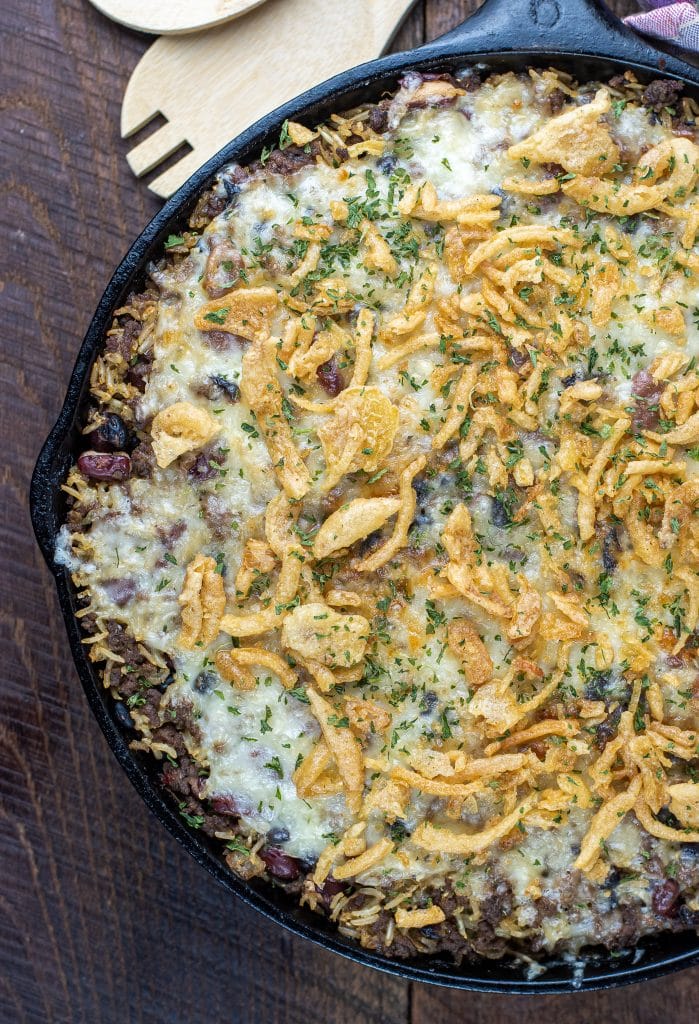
(211, 85)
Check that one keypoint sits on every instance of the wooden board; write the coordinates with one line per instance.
(172, 17)
(210, 86)
(105, 920)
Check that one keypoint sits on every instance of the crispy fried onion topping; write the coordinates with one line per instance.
(343, 746)
(246, 312)
(420, 917)
(578, 140)
(258, 560)
(353, 522)
(359, 434)
(468, 647)
(319, 633)
(181, 427)
(202, 601)
(501, 705)
(261, 389)
(443, 840)
(234, 665)
(254, 623)
(406, 514)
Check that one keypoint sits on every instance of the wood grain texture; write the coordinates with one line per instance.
(103, 919)
(234, 61)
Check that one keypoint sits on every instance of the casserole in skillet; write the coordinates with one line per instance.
(440, 730)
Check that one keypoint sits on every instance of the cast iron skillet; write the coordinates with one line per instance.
(580, 36)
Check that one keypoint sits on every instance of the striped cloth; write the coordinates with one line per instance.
(666, 19)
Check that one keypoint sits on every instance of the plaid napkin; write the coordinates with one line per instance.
(666, 19)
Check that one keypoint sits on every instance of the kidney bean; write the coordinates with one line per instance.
(221, 341)
(645, 385)
(280, 864)
(225, 804)
(330, 378)
(120, 591)
(517, 358)
(665, 898)
(111, 435)
(103, 466)
(329, 890)
(645, 416)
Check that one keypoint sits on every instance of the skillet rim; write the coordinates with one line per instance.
(483, 38)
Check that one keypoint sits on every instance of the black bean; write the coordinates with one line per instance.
(278, 835)
(666, 817)
(607, 729)
(423, 517)
(428, 702)
(607, 686)
(387, 164)
(167, 681)
(205, 682)
(399, 831)
(630, 225)
(227, 388)
(579, 373)
(613, 878)
(103, 466)
(378, 121)
(498, 514)
(689, 918)
(422, 490)
(517, 358)
(203, 466)
(369, 543)
(232, 189)
(110, 436)
(610, 549)
(123, 715)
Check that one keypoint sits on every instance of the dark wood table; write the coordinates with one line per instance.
(104, 918)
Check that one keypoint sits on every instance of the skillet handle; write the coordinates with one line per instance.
(558, 26)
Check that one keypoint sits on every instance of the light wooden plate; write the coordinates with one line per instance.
(210, 86)
(170, 17)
